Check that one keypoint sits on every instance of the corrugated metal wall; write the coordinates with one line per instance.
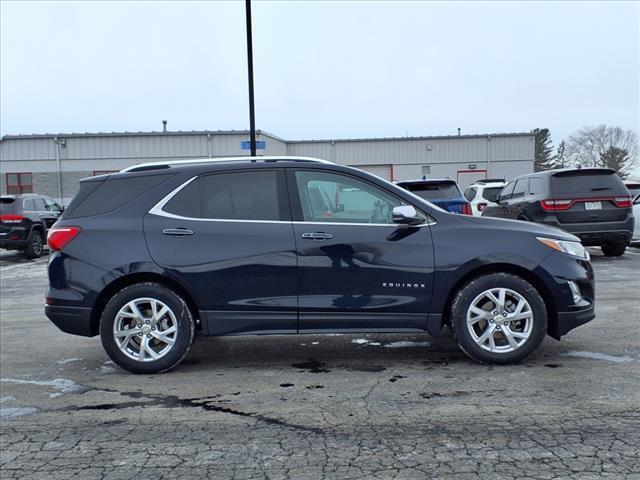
(505, 155)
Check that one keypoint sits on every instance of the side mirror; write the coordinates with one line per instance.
(407, 215)
(340, 208)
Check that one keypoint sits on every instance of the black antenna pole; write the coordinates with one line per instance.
(252, 112)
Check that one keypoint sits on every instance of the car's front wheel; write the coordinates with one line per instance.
(614, 249)
(498, 318)
(147, 328)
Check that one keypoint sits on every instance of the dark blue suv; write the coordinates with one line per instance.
(150, 256)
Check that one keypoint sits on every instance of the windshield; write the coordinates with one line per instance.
(435, 191)
(7, 204)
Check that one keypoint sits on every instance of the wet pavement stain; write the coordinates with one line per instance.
(313, 366)
(172, 401)
(395, 378)
(287, 385)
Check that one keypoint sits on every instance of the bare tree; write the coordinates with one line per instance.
(591, 147)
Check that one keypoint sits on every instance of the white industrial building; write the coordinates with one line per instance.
(52, 164)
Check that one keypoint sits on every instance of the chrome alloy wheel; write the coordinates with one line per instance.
(500, 320)
(145, 329)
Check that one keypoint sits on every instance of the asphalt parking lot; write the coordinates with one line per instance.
(340, 406)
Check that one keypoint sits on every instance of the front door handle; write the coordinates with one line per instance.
(317, 236)
(177, 232)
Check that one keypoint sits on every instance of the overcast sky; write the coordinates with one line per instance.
(322, 69)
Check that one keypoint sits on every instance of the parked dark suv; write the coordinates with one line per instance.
(591, 203)
(24, 221)
(149, 256)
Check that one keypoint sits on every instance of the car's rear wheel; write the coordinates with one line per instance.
(498, 318)
(614, 249)
(35, 245)
(147, 328)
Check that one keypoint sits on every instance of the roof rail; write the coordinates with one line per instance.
(160, 165)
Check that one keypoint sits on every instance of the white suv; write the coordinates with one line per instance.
(483, 193)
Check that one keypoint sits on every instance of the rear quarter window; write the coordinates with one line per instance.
(110, 194)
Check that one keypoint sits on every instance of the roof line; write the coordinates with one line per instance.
(259, 132)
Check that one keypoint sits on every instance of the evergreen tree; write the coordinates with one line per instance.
(543, 149)
(618, 159)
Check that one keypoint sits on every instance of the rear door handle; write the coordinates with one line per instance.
(177, 232)
(317, 236)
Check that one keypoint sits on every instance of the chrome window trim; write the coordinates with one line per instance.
(157, 209)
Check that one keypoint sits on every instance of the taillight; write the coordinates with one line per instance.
(553, 205)
(8, 218)
(481, 207)
(59, 237)
(623, 202)
(466, 209)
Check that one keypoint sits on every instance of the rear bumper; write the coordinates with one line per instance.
(14, 239)
(74, 320)
(13, 244)
(597, 233)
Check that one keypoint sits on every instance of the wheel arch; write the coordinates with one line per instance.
(139, 277)
(513, 269)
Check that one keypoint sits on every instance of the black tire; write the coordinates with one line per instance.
(475, 288)
(35, 244)
(614, 249)
(183, 338)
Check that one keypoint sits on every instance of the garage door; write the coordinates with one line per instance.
(468, 177)
(382, 171)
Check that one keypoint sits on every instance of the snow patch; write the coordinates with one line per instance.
(107, 367)
(62, 384)
(68, 360)
(599, 356)
(11, 412)
(8, 398)
(406, 344)
(360, 341)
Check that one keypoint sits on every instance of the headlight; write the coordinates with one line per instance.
(571, 248)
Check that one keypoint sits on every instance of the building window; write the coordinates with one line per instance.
(19, 183)
(103, 172)
(426, 170)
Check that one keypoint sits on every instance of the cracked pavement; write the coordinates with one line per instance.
(339, 406)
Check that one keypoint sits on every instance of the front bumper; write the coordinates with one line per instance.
(74, 320)
(567, 321)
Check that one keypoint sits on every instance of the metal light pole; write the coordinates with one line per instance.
(252, 113)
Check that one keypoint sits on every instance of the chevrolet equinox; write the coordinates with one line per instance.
(150, 256)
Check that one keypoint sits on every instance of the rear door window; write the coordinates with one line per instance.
(242, 196)
(252, 195)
